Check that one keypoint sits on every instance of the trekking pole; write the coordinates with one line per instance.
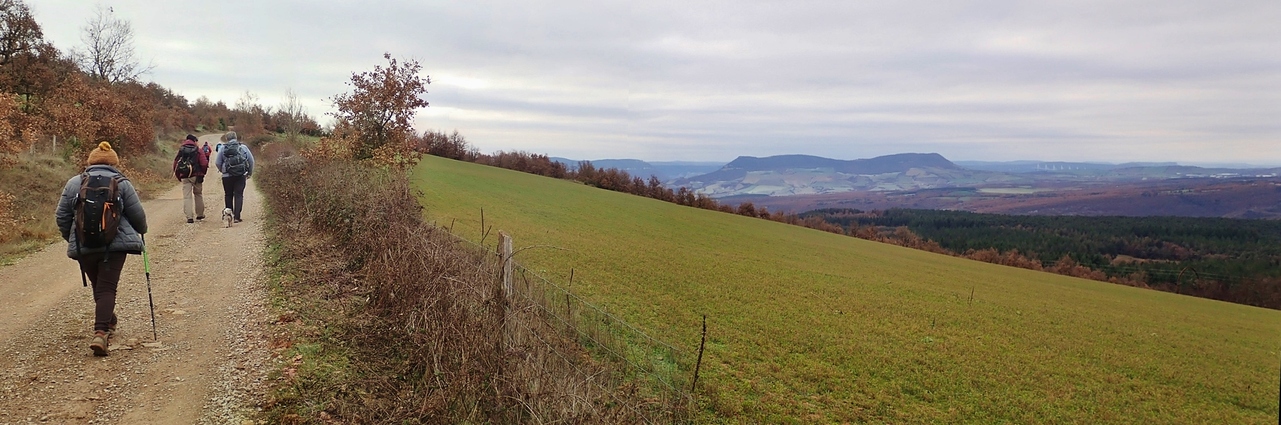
(146, 267)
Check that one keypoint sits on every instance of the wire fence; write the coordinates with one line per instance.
(658, 372)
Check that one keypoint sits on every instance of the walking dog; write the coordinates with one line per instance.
(226, 216)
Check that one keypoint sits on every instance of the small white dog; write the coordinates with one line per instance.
(226, 216)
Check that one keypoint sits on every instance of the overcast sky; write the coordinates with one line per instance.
(1077, 80)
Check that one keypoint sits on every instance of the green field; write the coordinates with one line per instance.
(812, 327)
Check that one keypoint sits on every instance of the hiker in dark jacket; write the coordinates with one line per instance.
(190, 165)
(103, 265)
(236, 164)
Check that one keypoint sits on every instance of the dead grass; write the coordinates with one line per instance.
(391, 321)
(33, 186)
(30, 187)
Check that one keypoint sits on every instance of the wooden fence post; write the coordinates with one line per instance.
(505, 251)
(701, 343)
(504, 291)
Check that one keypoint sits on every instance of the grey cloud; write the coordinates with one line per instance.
(1070, 80)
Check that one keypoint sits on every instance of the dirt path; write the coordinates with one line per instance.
(211, 317)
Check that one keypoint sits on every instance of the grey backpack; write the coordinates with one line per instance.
(233, 160)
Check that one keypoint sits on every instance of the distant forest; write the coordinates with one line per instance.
(1229, 259)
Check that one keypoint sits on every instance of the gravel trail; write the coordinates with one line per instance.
(209, 364)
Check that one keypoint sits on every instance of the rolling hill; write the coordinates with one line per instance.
(788, 175)
(812, 327)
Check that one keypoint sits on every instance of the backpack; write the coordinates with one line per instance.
(187, 161)
(233, 160)
(98, 209)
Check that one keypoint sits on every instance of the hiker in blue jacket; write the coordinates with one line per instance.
(236, 164)
(102, 265)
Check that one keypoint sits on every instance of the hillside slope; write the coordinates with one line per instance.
(806, 326)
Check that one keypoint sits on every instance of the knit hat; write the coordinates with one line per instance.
(104, 155)
(193, 138)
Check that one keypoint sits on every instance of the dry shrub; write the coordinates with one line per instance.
(427, 330)
(259, 140)
(276, 150)
(9, 145)
(8, 219)
(337, 145)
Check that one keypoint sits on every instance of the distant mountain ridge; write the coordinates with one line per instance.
(785, 175)
(790, 175)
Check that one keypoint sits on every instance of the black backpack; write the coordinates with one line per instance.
(233, 160)
(187, 161)
(98, 209)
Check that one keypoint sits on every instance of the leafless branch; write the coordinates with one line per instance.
(292, 112)
(108, 53)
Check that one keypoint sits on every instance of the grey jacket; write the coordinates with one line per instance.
(133, 222)
(244, 150)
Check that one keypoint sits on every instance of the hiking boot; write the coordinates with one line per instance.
(189, 221)
(200, 217)
(99, 344)
(236, 220)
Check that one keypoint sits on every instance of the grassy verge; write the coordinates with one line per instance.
(389, 320)
(313, 363)
(807, 326)
(34, 185)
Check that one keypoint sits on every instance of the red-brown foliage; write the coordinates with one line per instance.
(452, 146)
(380, 111)
(526, 162)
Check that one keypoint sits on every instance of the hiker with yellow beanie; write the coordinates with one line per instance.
(101, 218)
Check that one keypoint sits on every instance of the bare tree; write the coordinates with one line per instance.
(248, 115)
(109, 54)
(248, 102)
(292, 114)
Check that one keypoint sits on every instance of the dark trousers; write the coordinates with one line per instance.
(233, 189)
(105, 277)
